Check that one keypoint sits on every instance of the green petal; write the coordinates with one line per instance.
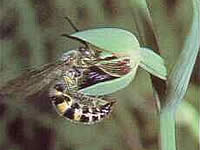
(114, 40)
(109, 87)
(153, 63)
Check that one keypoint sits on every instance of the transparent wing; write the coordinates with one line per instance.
(37, 79)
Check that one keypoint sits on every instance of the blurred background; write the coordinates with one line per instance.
(30, 36)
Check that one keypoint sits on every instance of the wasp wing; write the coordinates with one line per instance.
(38, 79)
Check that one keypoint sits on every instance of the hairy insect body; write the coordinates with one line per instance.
(70, 103)
(86, 68)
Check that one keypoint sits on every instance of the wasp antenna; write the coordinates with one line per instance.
(72, 24)
(76, 29)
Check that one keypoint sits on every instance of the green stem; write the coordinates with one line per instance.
(178, 81)
(167, 130)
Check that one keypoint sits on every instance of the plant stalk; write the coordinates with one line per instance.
(167, 129)
(178, 82)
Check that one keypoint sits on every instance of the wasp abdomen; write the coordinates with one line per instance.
(84, 114)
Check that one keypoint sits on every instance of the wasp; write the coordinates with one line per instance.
(75, 70)
(80, 108)
(76, 106)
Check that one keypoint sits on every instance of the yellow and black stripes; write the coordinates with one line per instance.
(67, 107)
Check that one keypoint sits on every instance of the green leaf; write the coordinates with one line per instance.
(152, 63)
(114, 40)
(109, 87)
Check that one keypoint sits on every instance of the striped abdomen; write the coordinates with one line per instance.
(78, 107)
(83, 114)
